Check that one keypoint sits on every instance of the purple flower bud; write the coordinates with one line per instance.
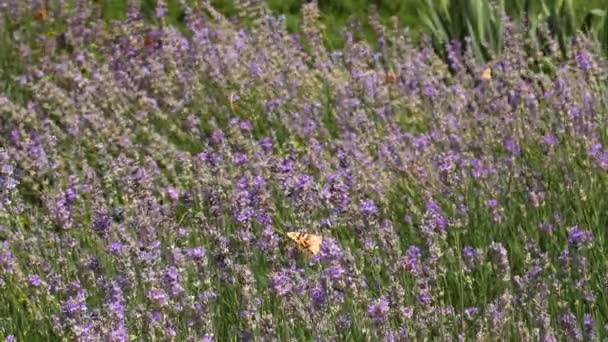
(114, 248)
(588, 325)
(411, 261)
(491, 203)
(6, 260)
(368, 208)
(429, 91)
(433, 207)
(471, 313)
(266, 143)
(335, 272)
(578, 237)
(469, 253)
(546, 227)
(281, 284)
(34, 280)
(171, 275)
(378, 309)
(70, 195)
(343, 322)
(173, 193)
(317, 295)
(583, 61)
(512, 146)
(196, 253)
(245, 126)
(158, 297)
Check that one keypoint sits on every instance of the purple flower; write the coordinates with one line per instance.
(569, 324)
(6, 169)
(101, 223)
(171, 275)
(160, 12)
(512, 146)
(245, 126)
(281, 284)
(173, 193)
(266, 144)
(546, 227)
(583, 61)
(471, 313)
(368, 207)
(317, 295)
(118, 333)
(588, 325)
(548, 140)
(491, 203)
(158, 297)
(424, 297)
(10, 338)
(34, 280)
(343, 322)
(6, 259)
(411, 261)
(73, 307)
(595, 149)
(155, 316)
(578, 237)
(335, 272)
(470, 256)
(114, 248)
(500, 260)
(429, 91)
(196, 253)
(70, 195)
(330, 251)
(378, 309)
(548, 337)
(433, 208)
(240, 158)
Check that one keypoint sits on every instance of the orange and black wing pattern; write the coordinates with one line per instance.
(309, 243)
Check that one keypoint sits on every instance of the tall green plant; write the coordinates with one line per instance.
(482, 21)
(596, 22)
(446, 20)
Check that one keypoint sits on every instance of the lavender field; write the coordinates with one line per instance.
(149, 173)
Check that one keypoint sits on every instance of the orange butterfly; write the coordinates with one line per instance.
(40, 14)
(152, 42)
(309, 243)
(390, 77)
(486, 74)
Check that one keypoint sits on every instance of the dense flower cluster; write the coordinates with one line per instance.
(148, 175)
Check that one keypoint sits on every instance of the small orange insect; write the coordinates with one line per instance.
(390, 77)
(486, 74)
(310, 243)
(40, 14)
(153, 40)
(149, 41)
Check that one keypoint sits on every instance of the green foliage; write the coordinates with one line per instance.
(482, 21)
(443, 20)
(447, 20)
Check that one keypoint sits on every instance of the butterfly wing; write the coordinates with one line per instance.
(314, 244)
(40, 13)
(487, 74)
(310, 243)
